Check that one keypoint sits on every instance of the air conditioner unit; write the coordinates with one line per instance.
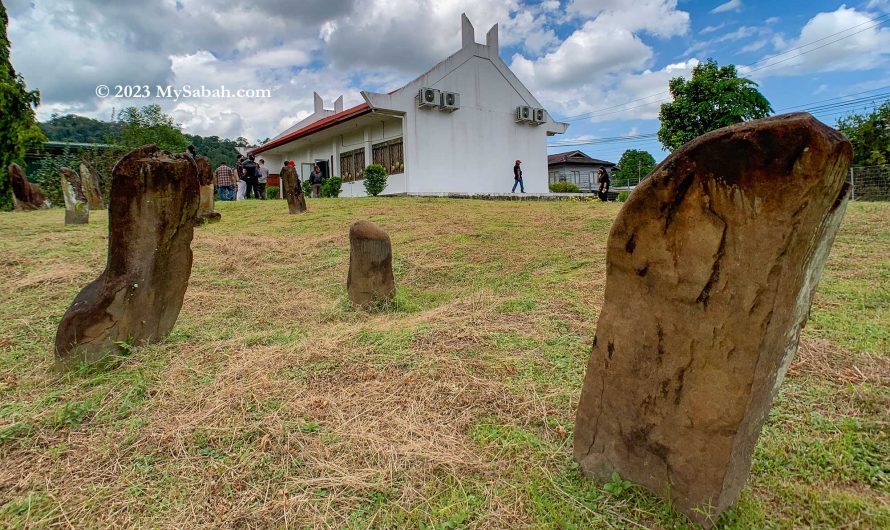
(523, 114)
(539, 116)
(429, 98)
(450, 101)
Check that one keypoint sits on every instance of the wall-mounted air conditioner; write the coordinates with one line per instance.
(429, 98)
(523, 114)
(450, 101)
(539, 116)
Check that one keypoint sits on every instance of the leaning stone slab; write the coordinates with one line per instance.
(153, 201)
(711, 269)
(205, 177)
(26, 196)
(293, 191)
(77, 209)
(89, 181)
(370, 277)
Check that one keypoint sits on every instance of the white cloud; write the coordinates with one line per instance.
(712, 29)
(732, 5)
(657, 17)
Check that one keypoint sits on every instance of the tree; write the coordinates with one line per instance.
(715, 97)
(149, 125)
(18, 128)
(870, 135)
(634, 164)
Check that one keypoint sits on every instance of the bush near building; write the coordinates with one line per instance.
(375, 179)
(564, 187)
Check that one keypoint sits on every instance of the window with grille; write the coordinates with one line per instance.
(390, 155)
(352, 165)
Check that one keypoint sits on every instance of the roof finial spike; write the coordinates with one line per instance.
(468, 33)
(319, 103)
(491, 39)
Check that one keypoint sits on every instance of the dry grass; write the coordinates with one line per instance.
(273, 404)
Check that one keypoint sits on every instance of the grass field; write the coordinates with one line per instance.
(273, 404)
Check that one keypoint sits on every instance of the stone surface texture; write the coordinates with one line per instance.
(137, 299)
(293, 191)
(711, 268)
(92, 189)
(77, 209)
(26, 196)
(370, 279)
(206, 204)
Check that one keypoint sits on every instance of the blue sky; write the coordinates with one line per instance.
(607, 60)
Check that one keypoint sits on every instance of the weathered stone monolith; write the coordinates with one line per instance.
(370, 277)
(152, 207)
(205, 177)
(711, 269)
(77, 209)
(26, 196)
(293, 191)
(92, 189)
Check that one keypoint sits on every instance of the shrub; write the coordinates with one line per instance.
(623, 196)
(307, 188)
(272, 192)
(331, 187)
(564, 187)
(375, 179)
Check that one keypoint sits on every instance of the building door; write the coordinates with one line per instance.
(325, 168)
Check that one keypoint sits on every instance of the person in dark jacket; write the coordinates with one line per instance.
(251, 177)
(604, 182)
(315, 181)
(241, 184)
(517, 177)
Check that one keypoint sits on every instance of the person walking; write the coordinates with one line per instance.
(262, 179)
(251, 178)
(517, 177)
(242, 184)
(604, 182)
(225, 182)
(315, 181)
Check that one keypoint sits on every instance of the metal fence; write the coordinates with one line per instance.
(870, 183)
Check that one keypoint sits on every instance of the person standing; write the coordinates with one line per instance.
(604, 182)
(242, 184)
(517, 177)
(315, 181)
(225, 182)
(191, 152)
(251, 177)
(262, 179)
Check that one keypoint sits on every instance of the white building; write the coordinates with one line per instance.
(457, 128)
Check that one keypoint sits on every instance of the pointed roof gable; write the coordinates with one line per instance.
(575, 157)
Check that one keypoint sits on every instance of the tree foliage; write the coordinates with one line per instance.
(149, 125)
(18, 128)
(870, 135)
(80, 129)
(715, 97)
(375, 179)
(634, 164)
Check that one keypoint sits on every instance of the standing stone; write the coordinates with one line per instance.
(205, 177)
(152, 207)
(711, 268)
(370, 277)
(77, 209)
(26, 196)
(293, 191)
(89, 181)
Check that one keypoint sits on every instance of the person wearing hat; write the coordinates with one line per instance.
(517, 177)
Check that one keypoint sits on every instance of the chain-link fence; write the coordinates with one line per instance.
(870, 183)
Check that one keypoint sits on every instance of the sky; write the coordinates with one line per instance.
(601, 65)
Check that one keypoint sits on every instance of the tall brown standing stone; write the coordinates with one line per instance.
(205, 177)
(370, 277)
(293, 191)
(153, 202)
(77, 209)
(89, 181)
(26, 196)
(711, 268)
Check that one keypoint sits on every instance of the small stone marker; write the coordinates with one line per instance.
(26, 196)
(205, 177)
(370, 277)
(89, 181)
(711, 268)
(293, 191)
(152, 207)
(77, 209)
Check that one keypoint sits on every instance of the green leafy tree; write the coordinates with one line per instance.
(375, 179)
(715, 97)
(19, 131)
(74, 128)
(149, 125)
(634, 164)
(870, 135)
